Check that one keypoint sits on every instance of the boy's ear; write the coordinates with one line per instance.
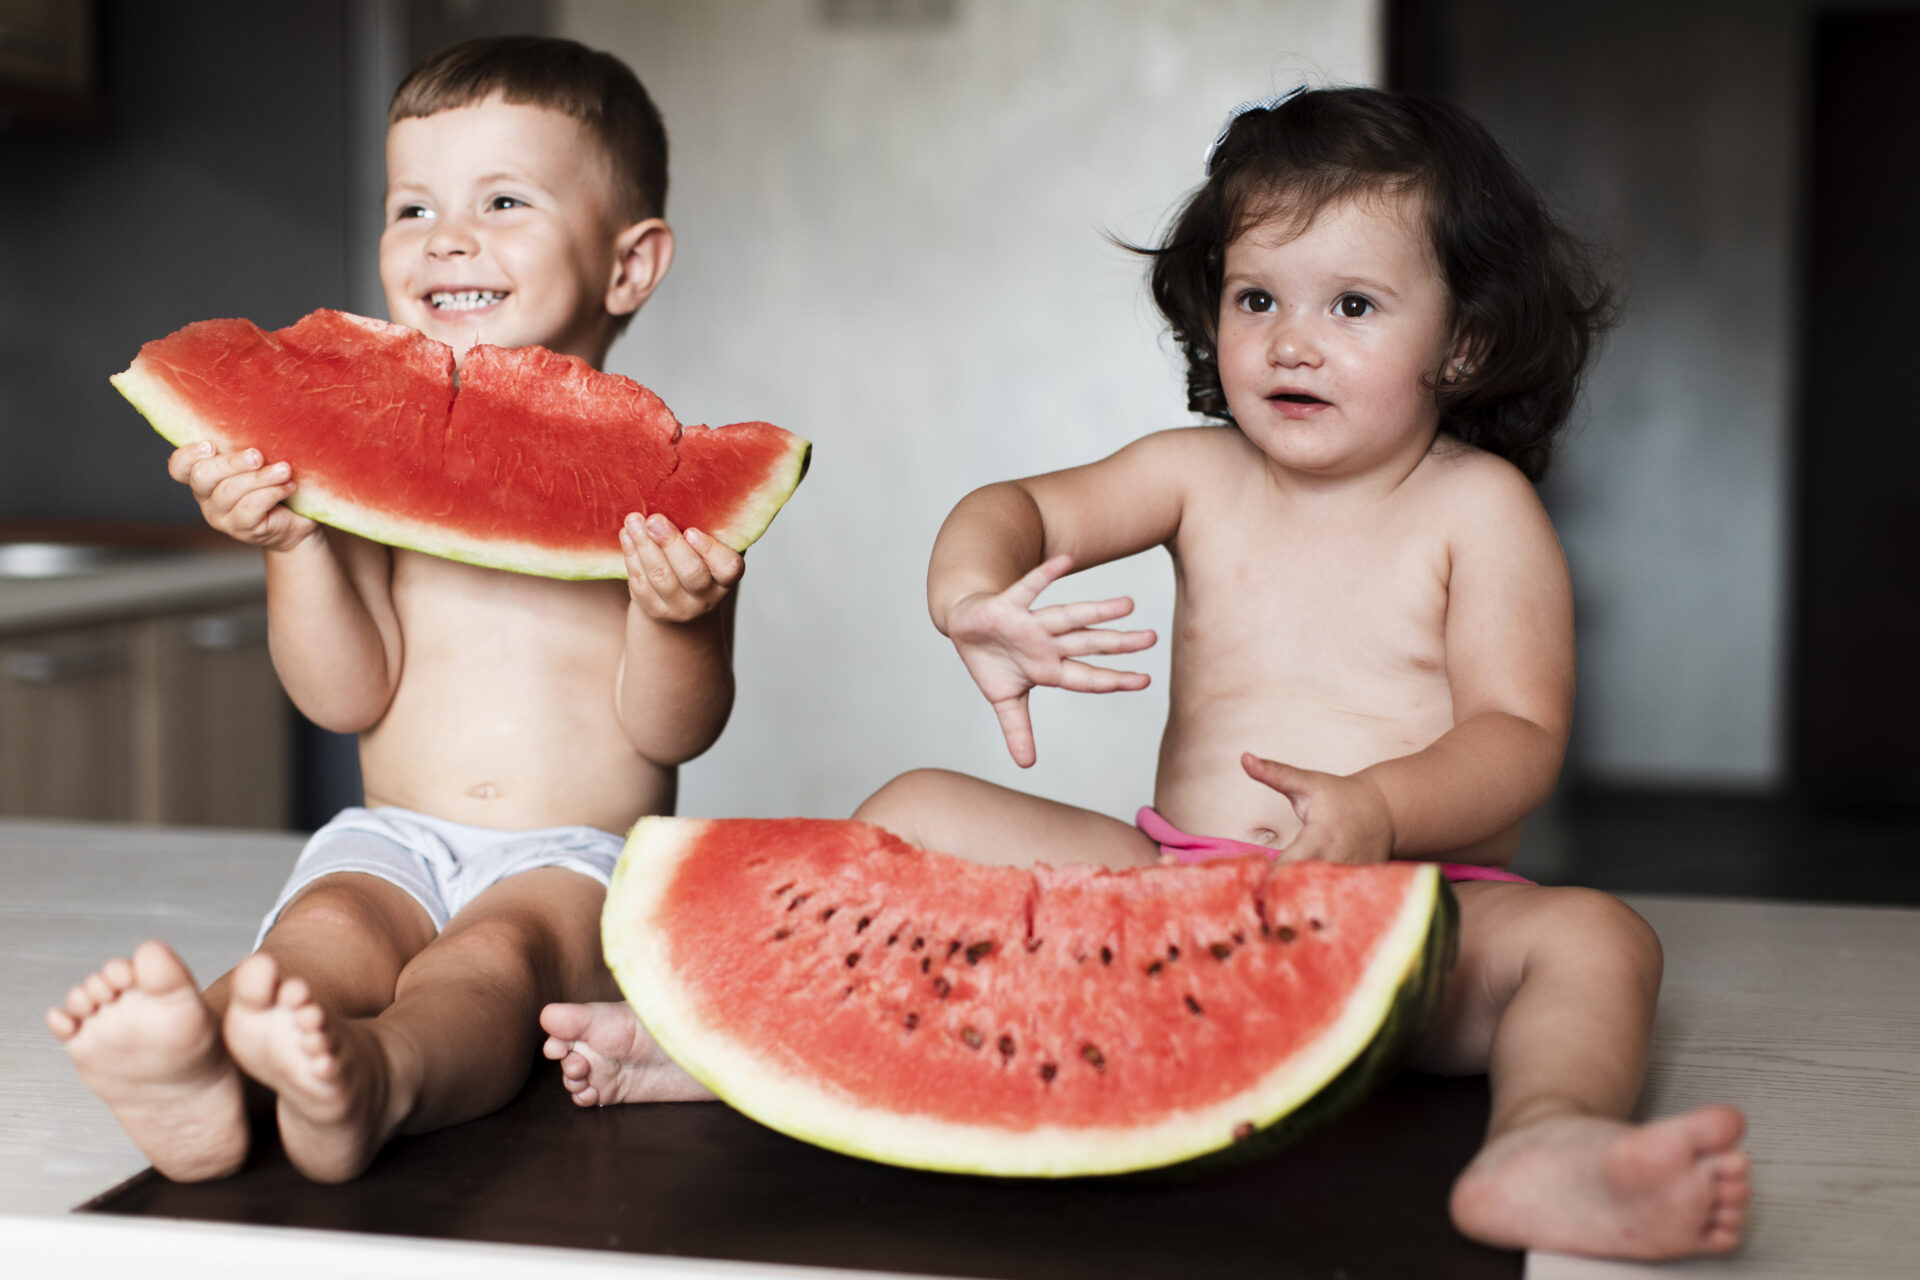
(641, 255)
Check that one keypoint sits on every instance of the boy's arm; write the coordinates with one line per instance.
(331, 626)
(674, 690)
(1006, 543)
(1510, 667)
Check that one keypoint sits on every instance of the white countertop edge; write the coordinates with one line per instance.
(74, 1246)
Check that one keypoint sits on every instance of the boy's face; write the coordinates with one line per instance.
(500, 229)
(1331, 338)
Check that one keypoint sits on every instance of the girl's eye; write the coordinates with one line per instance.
(506, 202)
(406, 211)
(1352, 306)
(1258, 301)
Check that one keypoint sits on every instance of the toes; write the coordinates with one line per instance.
(1714, 1127)
(565, 1021)
(99, 990)
(255, 981)
(62, 1024)
(575, 1067)
(81, 1005)
(587, 1097)
(156, 970)
(294, 993)
(116, 973)
(556, 1049)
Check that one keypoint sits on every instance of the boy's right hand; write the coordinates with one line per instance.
(1009, 647)
(241, 496)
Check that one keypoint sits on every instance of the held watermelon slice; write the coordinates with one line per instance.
(530, 465)
(848, 989)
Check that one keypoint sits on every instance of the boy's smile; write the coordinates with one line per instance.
(1330, 340)
(500, 229)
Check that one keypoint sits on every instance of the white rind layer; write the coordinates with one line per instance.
(180, 424)
(801, 1107)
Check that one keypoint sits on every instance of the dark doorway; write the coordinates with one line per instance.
(1857, 612)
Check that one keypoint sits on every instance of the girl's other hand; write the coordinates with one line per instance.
(240, 494)
(1009, 647)
(675, 576)
(1342, 818)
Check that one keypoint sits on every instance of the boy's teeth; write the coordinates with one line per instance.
(464, 300)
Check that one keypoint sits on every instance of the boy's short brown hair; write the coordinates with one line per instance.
(595, 88)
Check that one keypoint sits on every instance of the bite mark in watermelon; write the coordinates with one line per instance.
(851, 990)
(529, 463)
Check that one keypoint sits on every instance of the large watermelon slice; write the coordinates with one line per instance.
(854, 991)
(530, 465)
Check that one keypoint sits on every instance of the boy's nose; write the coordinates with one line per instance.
(451, 238)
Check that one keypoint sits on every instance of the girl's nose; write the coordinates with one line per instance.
(1291, 343)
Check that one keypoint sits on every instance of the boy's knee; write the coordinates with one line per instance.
(911, 793)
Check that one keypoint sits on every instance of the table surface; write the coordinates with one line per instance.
(1806, 1016)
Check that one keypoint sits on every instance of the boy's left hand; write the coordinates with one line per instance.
(675, 576)
(1342, 818)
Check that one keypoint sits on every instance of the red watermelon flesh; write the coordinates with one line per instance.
(847, 988)
(529, 460)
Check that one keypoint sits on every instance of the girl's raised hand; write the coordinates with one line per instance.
(1342, 818)
(675, 576)
(241, 496)
(1008, 647)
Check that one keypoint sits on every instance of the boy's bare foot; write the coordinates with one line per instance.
(1606, 1188)
(328, 1074)
(144, 1041)
(607, 1057)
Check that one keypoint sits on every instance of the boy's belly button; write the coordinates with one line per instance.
(1264, 836)
(484, 791)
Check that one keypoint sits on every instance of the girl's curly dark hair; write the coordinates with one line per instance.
(1525, 293)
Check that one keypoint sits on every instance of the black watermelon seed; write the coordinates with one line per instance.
(919, 943)
(941, 987)
(1048, 1071)
(1033, 944)
(1092, 1055)
(1239, 938)
(926, 963)
(1243, 1131)
(952, 947)
(892, 938)
(853, 958)
(1154, 969)
(1193, 1007)
(798, 898)
(1106, 955)
(970, 1037)
(828, 913)
(861, 927)
(1173, 953)
(1220, 950)
(781, 935)
(1315, 925)
(912, 1021)
(783, 888)
(1006, 1046)
(1285, 933)
(978, 952)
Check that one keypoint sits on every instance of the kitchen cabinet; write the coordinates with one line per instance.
(149, 705)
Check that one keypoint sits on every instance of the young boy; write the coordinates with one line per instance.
(509, 726)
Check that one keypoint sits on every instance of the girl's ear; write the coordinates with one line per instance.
(641, 255)
(1464, 358)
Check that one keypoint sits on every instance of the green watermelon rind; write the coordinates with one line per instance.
(177, 422)
(1381, 1020)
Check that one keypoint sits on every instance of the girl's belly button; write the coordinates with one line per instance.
(483, 791)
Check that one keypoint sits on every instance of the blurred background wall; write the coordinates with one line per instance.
(896, 223)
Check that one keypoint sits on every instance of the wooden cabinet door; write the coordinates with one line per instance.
(66, 723)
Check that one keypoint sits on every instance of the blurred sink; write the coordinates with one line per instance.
(20, 560)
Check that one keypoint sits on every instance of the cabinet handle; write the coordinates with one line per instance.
(50, 666)
(220, 632)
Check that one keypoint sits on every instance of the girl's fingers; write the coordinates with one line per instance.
(1078, 644)
(1017, 728)
(689, 568)
(1082, 677)
(1062, 618)
(723, 562)
(254, 507)
(1038, 579)
(181, 461)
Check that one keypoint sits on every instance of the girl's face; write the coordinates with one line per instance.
(1331, 338)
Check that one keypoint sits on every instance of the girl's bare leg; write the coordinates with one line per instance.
(149, 1042)
(456, 1041)
(1554, 998)
(606, 1056)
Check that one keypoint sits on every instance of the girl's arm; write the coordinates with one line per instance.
(674, 690)
(1510, 668)
(1006, 543)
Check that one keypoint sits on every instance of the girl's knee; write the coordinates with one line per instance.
(1590, 924)
(900, 802)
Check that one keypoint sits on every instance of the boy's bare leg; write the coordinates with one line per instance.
(145, 1041)
(606, 1056)
(456, 1042)
(1554, 997)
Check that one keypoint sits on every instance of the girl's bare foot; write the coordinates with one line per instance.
(328, 1074)
(606, 1056)
(144, 1041)
(1606, 1188)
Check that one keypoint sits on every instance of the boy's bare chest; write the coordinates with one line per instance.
(487, 619)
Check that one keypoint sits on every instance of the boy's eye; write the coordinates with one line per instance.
(406, 211)
(1258, 301)
(1352, 306)
(506, 202)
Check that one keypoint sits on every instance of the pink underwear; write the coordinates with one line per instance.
(1177, 846)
